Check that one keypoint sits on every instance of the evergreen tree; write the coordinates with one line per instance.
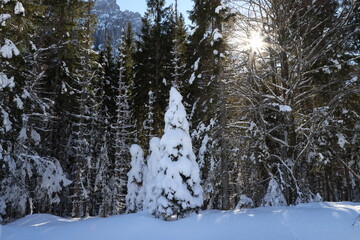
(178, 50)
(207, 97)
(69, 67)
(111, 80)
(32, 179)
(178, 180)
(274, 196)
(135, 195)
(152, 69)
(81, 124)
(151, 174)
(102, 167)
(127, 51)
(123, 126)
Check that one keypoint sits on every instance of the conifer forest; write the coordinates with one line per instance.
(254, 103)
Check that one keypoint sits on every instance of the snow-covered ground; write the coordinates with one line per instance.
(318, 221)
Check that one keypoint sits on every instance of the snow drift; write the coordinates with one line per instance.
(317, 221)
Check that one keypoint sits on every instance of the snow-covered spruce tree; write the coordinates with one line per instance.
(151, 173)
(335, 148)
(152, 69)
(123, 131)
(178, 49)
(11, 85)
(110, 80)
(104, 171)
(274, 196)
(82, 76)
(178, 181)
(102, 195)
(207, 97)
(135, 189)
(31, 179)
(127, 50)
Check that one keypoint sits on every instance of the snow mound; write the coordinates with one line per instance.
(37, 220)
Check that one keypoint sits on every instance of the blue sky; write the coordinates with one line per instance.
(140, 5)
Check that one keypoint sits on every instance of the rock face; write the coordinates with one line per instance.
(111, 21)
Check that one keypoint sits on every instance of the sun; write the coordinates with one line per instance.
(256, 41)
(245, 41)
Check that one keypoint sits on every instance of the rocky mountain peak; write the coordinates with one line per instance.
(111, 22)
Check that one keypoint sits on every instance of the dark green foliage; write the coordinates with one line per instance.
(153, 70)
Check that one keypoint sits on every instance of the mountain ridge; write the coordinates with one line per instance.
(112, 21)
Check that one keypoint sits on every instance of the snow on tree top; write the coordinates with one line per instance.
(19, 8)
(5, 81)
(341, 140)
(3, 18)
(282, 108)
(136, 150)
(154, 142)
(285, 108)
(217, 35)
(153, 158)
(192, 78)
(175, 116)
(137, 159)
(219, 8)
(6, 121)
(352, 80)
(196, 64)
(9, 49)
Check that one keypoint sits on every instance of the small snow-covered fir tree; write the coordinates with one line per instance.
(151, 173)
(178, 180)
(244, 202)
(274, 196)
(135, 195)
